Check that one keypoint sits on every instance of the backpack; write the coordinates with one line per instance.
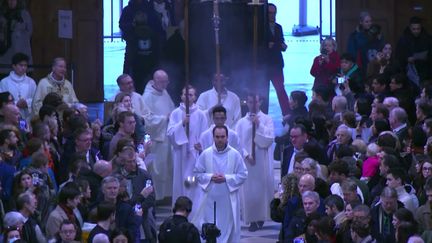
(170, 232)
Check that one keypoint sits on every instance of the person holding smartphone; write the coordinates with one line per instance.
(326, 65)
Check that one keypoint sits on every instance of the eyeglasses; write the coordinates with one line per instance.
(427, 168)
(12, 228)
(68, 232)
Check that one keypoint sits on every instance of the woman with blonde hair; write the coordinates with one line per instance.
(326, 65)
(287, 189)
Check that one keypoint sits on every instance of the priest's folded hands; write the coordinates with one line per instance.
(218, 178)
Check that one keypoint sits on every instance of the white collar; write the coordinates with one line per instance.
(226, 149)
(397, 129)
(17, 79)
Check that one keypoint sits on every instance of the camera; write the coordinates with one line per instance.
(323, 51)
(210, 232)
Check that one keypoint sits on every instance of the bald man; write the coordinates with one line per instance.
(306, 183)
(11, 115)
(161, 105)
(101, 238)
(101, 169)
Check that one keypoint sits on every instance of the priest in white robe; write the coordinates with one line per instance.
(260, 167)
(19, 85)
(219, 118)
(210, 98)
(160, 104)
(184, 146)
(220, 172)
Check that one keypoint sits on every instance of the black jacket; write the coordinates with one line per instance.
(177, 229)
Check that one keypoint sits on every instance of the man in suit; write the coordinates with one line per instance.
(398, 119)
(299, 137)
(275, 63)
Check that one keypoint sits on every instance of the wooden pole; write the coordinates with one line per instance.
(187, 74)
(216, 22)
(255, 4)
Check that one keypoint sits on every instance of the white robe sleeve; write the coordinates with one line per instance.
(236, 111)
(239, 130)
(39, 95)
(72, 93)
(155, 125)
(3, 85)
(205, 140)
(235, 142)
(234, 181)
(264, 134)
(32, 91)
(203, 177)
(202, 102)
(176, 131)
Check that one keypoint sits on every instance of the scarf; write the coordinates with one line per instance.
(69, 212)
(55, 81)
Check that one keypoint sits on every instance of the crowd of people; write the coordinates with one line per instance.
(355, 163)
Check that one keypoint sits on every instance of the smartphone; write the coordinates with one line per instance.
(341, 80)
(280, 189)
(137, 207)
(148, 183)
(147, 138)
(35, 179)
(140, 148)
(299, 240)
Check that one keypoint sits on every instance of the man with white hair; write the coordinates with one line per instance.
(398, 119)
(160, 105)
(55, 82)
(311, 203)
(343, 136)
(13, 218)
(339, 106)
(391, 103)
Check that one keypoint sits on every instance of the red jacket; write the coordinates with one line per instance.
(325, 72)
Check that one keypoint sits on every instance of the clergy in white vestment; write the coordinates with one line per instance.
(54, 82)
(210, 98)
(184, 146)
(219, 118)
(19, 85)
(220, 172)
(160, 104)
(256, 205)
